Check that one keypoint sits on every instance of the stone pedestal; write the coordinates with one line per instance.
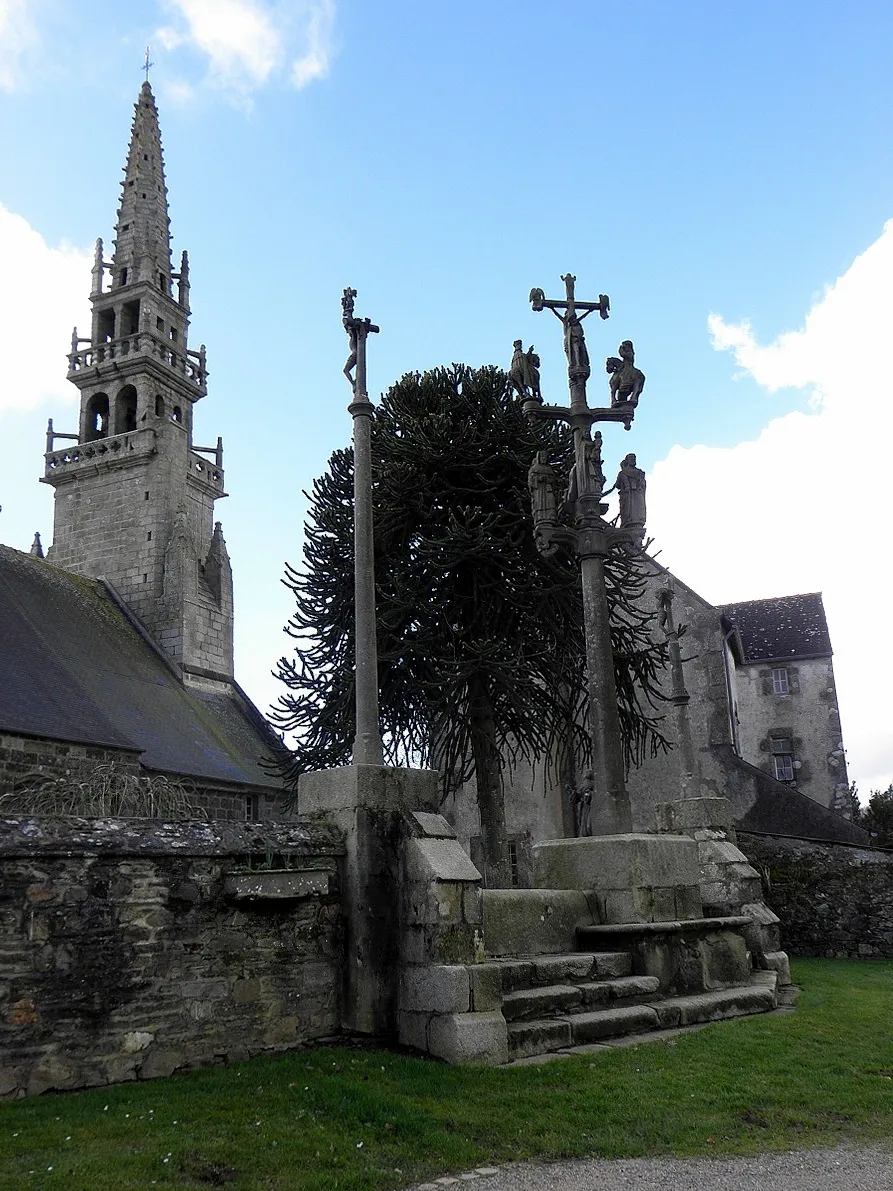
(729, 884)
(368, 804)
(633, 877)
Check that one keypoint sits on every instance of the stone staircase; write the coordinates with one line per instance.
(558, 1002)
(612, 940)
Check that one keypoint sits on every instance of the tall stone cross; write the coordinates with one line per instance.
(591, 538)
(367, 745)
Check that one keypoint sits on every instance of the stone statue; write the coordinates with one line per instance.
(575, 345)
(524, 374)
(541, 482)
(631, 490)
(537, 298)
(589, 462)
(627, 381)
(583, 805)
(350, 326)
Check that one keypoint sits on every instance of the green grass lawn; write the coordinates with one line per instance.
(367, 1119)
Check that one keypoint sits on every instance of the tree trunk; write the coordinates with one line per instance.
(488, 778)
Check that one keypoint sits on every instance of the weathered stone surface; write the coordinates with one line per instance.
(616, 862)
(590, 1027)
(432, 825)
(537, 1037)
(371, 786)
(533, 921)
(469, 1038)
(550, 1001)
(777, 961)
(277, 885)
(486, 987)
(833, 900)
(438, 860)
(130, 978)
(436, 989)
(688, 814)
(713, 1006)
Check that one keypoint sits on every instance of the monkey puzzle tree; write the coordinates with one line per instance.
(480, 638)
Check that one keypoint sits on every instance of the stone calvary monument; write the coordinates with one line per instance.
(622, 931)
(137, 947)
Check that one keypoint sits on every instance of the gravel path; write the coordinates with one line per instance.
(866, 1168)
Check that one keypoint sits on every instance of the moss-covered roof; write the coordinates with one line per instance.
(781, 628)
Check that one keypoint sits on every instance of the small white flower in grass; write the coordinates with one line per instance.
(106, 1108)
(359, 1145)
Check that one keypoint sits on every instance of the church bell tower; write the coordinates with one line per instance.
(134, 496)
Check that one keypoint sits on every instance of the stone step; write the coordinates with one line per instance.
(537, 970)
(550, 1034)
(555, 1000)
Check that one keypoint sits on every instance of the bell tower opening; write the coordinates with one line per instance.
(125, 410)
(97, 418)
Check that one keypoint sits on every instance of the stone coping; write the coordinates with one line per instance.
(70, 836)
(687, 926)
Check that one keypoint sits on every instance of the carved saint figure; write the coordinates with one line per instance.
(583, 805)
(627, 381)
(541, 482)
(524, 374)
(586, 475)
(537, 297)
(631, 490)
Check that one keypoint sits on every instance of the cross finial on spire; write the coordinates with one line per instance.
(147, 64)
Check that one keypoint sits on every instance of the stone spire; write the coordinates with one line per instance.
(36, 547)
(142, 233)
(135, 497)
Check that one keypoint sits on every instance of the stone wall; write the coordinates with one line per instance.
(833, 900)
(24, 758)
(128, 952)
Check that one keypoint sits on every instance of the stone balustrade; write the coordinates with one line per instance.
(185, 363)
(132, 445)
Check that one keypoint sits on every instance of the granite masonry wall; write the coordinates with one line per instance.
(833, 900)
(135, 948)
(23, 758)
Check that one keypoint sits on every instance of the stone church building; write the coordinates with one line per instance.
(117, 648)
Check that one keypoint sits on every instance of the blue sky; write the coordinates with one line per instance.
(689, 159)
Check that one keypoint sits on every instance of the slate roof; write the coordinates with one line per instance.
(73, 667)
(782, 628)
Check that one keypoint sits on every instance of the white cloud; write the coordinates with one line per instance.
(314, 62)
(248, 43)
(45, 290)
(17, 34)
(806, 506)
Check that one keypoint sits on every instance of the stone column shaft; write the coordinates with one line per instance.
(367, 744)
(611, 812)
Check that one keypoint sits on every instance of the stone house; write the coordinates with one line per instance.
(784, 712)
(118, 646)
